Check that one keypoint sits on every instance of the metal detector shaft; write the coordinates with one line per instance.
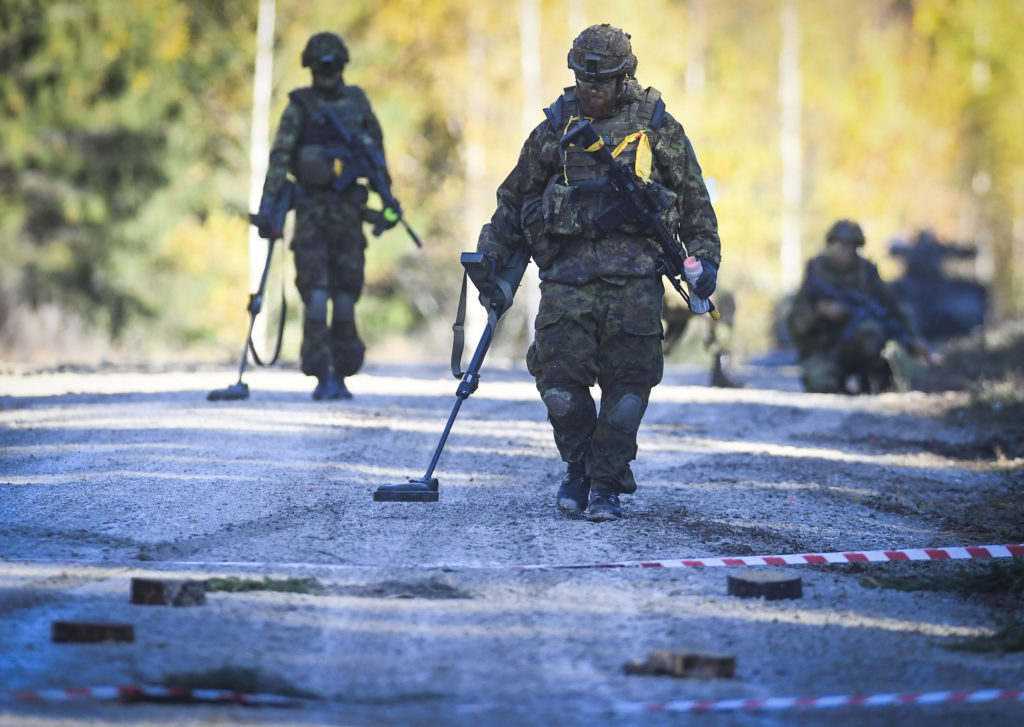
(238, 390)
(255, 305)
(469, 383)
(425, 488)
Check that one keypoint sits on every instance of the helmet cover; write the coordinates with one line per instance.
(324, 52)
(846, 231)
(602, 52)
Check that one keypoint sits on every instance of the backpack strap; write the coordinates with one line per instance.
(555, 113)
(651, 113)
(305, 99)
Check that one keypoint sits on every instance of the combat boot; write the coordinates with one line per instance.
(340, 391)
(604, 505)
(879, 378)
(573, 491)
(720, 375)
(326, 388)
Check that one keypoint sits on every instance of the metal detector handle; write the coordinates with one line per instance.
(498, 285)
(471, 376)
(501, 286)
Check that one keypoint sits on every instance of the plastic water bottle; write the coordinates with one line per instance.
(692, 269)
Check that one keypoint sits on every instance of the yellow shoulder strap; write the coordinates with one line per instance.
(644, 157)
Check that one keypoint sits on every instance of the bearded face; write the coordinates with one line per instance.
(598, 99)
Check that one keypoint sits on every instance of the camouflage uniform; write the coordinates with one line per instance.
(599, 318)
(328, 240)
(826, 357)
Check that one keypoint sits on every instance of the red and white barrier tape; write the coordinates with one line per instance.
(856, 556)
(148, 693)
(842, 700)
(860, 556)
(158, 693)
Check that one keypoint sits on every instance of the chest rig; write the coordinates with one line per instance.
(626, 133)
(856, 278)
(322, 158)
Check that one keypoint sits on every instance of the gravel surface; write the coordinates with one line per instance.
(418, 614)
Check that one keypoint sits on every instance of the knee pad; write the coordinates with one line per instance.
(559, 402)
(316, 308)
(868, 340)
(626, 414)
(344, 308)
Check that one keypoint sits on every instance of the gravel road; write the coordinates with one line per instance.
(418, 613)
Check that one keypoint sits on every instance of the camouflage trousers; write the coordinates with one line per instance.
(825, 371)
(329, 247)
(608, 333)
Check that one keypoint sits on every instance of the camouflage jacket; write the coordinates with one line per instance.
(812, 332)
(351, 107)
(535, 202)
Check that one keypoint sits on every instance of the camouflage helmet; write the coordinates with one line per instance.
(324, 51)
(846, 231)
(602, 52)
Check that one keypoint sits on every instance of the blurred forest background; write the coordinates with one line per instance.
(125, 150)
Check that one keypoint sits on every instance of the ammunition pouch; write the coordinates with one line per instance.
(561, 209)
(313, 167)
(541, 245)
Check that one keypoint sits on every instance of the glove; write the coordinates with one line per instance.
(707, 281)
(487, 284)
(389, 218)
(381, 220)
(264, 226)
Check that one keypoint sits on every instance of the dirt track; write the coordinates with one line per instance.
(422, 618)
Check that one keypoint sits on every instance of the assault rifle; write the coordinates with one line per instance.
(637, 202)
(862, 308)
(361, 159)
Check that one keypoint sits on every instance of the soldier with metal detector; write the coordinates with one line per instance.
(607, 197)
(843, 315)
(329, 140)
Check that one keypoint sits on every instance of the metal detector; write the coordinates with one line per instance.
(270, 223)
(239, 389)
(501, 289)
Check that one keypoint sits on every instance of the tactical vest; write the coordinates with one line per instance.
(313, 164)
(826, 334)
(854, 279)
(625, 133)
